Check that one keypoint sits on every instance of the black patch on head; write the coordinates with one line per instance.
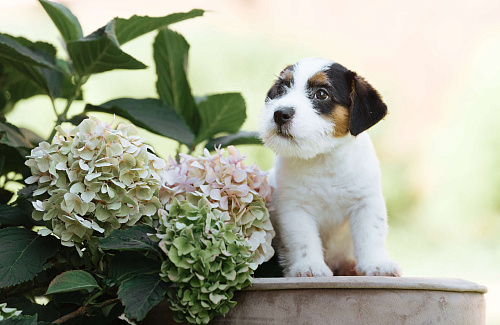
(367, 107)
(284, 82)
(334, 85)
(340, 89)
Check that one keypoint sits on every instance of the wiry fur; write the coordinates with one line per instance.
(330, 212)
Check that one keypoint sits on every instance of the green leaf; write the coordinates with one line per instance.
(14, 87)
(151, 114)
(14, 147)
(10, 135)
(125, 265)
(13, 216)
(49, 79)
(12, 50)
(170, 55)
(23, 254)
(72, 281)
(21, 320)
(12, 160)
(135, 238)
(5, 196)
(100, 52)
(63, 18)
(239, 138)
(141, 293)
(220, 113)
(135, 26)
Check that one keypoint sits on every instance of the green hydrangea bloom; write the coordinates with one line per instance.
(94, 178)
(208, 259)
(6, 313)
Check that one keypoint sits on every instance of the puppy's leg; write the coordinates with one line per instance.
(368, 223)
(303, 253)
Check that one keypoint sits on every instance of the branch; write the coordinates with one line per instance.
(79, 312)
(107, 302)
(83, 310)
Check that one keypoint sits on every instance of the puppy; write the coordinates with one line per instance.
(330, 215)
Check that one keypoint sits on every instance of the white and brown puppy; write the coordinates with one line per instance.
(330, 214)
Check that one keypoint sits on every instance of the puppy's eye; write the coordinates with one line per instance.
(321, 94)
(280, 90)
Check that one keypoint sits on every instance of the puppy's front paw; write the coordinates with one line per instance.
(309, 270)
(384, 267)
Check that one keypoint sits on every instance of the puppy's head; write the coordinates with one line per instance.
(316, 104)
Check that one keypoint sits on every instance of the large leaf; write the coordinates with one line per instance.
(13, 137)
(141, 293)
(151, 114)
(239, 138)
(13, 87)
(14, 216)
(171, 54)
(12, 50)
(12, 160)
(135, 26)
(135, 238)
(63, 18)
(125, 265)
(72, 281)
(5, 196)
(220, 113)
(48, 79)
(23, 254)
(99, 52)
(14, 147)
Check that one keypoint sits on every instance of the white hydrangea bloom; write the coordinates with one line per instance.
(94, 178)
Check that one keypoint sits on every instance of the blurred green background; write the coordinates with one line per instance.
(435, 63)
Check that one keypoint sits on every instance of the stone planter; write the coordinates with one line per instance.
(351, 300)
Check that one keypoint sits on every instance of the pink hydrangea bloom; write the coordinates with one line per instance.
(231, 186)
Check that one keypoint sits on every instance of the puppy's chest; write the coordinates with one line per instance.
(328, 196)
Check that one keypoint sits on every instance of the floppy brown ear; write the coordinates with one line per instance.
(367, 107)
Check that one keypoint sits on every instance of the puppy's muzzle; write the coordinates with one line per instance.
(283, 115)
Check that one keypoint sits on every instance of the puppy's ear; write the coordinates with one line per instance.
(367, 107)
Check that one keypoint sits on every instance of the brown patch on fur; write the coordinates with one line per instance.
(340, 117)
(320, 79)
(287, 75)
(285, 78)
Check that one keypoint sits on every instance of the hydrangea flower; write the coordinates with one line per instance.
(206, 259)
(230, 186)
(6, 313)
(94, 178)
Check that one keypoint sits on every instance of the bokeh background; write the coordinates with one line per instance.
(436, 63)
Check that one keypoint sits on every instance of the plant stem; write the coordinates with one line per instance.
(94, 297)
(54, 106)
(83, 310)
(63, 117)
(79, 312)
(107, 302)
(177, 154)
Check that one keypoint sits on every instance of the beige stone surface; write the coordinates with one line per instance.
(352, 300)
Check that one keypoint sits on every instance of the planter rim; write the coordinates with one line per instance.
(367, 282)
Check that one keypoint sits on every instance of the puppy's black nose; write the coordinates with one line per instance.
(283, 115)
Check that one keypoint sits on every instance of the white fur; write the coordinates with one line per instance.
(328, 199)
